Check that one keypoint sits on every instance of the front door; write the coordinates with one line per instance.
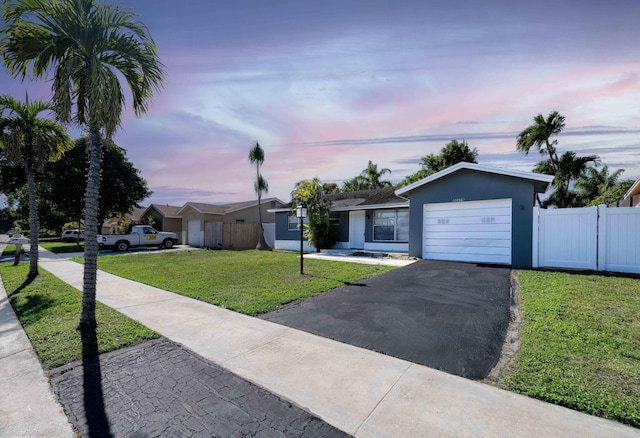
(356, 229)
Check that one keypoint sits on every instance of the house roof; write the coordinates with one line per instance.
(166, 210)
(633, 190)
(541, 181)
(136, 213)
(222, 209)
(359, 200)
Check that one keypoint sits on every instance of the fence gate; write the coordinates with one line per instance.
(565, 237)
(598, 238)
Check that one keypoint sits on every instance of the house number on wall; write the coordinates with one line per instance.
(488, 220)
(443, 221)
(458, 200)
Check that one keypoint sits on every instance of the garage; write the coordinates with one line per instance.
(195, 235)
(474, 213)
(472, 231)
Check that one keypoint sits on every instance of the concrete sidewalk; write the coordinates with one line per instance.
(365, 394)
(28, 408)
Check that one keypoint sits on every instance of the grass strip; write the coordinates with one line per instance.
(249, 282)
(49, 310)
(580, 343)
(58, 247)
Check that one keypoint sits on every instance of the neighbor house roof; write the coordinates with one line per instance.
(222, 209)
(136, 213)
(541, 181)
(633, 190)
(166, 210)
(360, 200)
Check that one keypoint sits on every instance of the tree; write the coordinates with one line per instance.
(452, 153)
(593, 184)
(121, 190)
(330, 188)
(569, 168)
(89, 46)
(369, 178)
(256, 156)
(31, 141)
(319, 231)
(539, 134)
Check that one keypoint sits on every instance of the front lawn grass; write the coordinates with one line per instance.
(59, 247)
(250, 282)
(580, 343)
(49, 310)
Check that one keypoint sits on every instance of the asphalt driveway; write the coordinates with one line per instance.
(445, 315)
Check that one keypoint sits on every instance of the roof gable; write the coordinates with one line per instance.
(222, 209)
(541, 181)
(166, 210)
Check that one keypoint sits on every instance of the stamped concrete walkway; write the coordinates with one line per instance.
(363, 393)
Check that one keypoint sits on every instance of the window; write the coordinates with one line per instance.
(335, 221)
(391, 225)
(292, 222)
(239, 221)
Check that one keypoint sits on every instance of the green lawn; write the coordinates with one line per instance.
(59, 247)
(250, 282)
(580, 343)
(49, 310)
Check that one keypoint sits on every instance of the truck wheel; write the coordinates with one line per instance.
(168, 243)
(122, 245)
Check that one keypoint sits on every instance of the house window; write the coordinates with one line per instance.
(292, 222)
(335, 221)
(391, 225)
(239, 221)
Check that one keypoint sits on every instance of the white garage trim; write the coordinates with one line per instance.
(472, 231)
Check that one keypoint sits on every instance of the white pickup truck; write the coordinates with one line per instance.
(141, 235)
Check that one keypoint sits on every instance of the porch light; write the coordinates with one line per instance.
(301, 213)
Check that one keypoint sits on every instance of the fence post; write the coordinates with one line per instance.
(535, 238)
(602, 238)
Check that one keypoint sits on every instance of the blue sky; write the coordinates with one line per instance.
(325, 86)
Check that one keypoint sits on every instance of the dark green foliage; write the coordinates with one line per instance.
(452, 153)
(369, 178)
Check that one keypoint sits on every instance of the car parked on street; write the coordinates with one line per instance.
(72, 235)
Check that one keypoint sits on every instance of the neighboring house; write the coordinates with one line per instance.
(467, 212)
(196, 216)
(474, 213)
(163, 217)
(374, 220)
(631, 198)
(110, 226)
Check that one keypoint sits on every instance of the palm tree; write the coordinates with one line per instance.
(256, 156)
(569, 168)
(594, 184)
(369, 178)
(89, 46)
(539, 135)
(31, 141)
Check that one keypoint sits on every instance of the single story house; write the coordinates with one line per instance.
(195, 216)
(374, 220)
(467, 212)
(163, 217)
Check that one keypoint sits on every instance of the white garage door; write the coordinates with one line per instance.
(194, 233)
(472, 231)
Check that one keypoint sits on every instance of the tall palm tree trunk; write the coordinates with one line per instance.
(88, 317)
(262, 243)
(33, 218)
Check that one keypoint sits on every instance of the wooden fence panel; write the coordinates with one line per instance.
(239, 236)
(213, 234)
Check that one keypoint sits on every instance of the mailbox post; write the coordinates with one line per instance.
(301, 213)
(18, 241)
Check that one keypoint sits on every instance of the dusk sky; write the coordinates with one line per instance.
(325, 86)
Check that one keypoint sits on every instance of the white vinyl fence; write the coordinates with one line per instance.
(598, 238)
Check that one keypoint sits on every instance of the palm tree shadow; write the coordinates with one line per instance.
(94, 408)
(27, 281)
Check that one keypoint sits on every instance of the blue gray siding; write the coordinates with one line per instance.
(469, 185)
